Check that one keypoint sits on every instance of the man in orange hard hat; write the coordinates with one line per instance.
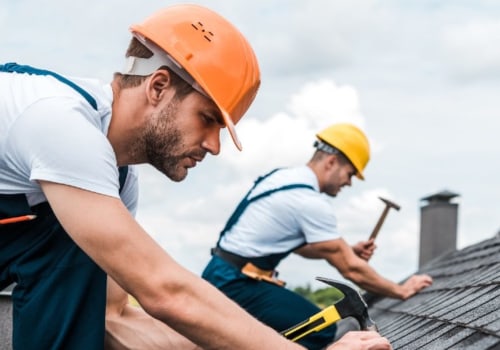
(286, 212)
(68, 191)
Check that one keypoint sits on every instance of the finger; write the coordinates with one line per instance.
(376, 342)
(367, 335)
(370, 243)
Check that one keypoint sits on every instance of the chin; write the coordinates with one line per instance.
(176, 175)
(333, 193)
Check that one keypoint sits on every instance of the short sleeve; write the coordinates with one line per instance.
(316, 218)
(58, 142)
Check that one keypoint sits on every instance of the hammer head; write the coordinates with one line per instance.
(352, 305)
(389, 203)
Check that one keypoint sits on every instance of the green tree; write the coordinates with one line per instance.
(322, 297)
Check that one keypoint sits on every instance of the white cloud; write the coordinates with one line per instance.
(324, 102)
(286, 138)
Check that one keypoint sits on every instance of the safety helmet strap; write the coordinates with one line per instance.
(147, 66)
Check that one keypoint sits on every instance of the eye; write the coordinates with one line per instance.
(211, 118)
(208, 119)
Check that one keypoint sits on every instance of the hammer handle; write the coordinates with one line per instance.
(315, 323)
(379, 223)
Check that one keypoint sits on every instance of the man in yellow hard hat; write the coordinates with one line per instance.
(285, 212)
(68, 191)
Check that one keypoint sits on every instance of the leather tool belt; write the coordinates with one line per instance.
(248, 268)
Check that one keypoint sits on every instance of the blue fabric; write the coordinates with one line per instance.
(59, 301)
(278, 307)
(12, 205)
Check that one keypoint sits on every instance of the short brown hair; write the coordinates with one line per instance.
(137, 49)
(319, 155)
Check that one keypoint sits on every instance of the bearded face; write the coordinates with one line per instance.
(163, 143)
(178, 135)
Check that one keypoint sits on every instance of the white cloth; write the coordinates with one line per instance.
(285, 219)
(48, 131)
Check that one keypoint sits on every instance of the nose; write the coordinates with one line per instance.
(212, 142)
(349, 181)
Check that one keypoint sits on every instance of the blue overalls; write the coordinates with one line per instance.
(59, 300)
(273, 305)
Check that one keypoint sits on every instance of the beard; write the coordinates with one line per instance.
(163, 144)
(331, 190)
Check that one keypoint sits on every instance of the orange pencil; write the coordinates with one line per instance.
(17, 219)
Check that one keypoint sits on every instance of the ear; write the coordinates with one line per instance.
(157, 86)
(330, 161)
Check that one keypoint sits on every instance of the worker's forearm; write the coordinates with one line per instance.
(368, 279)
(104, 229)
(213, 321)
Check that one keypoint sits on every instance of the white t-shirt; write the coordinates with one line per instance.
(285, 219)
(48, 131)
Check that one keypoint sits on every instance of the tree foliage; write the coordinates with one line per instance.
(322, 297)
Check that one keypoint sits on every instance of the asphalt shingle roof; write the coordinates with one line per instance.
(461, 310)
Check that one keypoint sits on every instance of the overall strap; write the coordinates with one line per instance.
(245, 202)
(122, 172)
(242, 205)
(17, 204)
(13, 67)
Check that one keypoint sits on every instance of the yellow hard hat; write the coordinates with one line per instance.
(351, 141)
(214, 53)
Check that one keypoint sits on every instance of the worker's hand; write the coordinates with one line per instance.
(365, 249)
(361, 340)
(415, 284)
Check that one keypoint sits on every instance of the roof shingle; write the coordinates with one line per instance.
(461, 310)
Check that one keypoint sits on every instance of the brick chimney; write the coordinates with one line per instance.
(438, 226)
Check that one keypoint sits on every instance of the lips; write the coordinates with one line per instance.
(193, 161)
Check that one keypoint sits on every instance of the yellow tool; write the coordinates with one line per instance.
(351, 305)
(313, 324)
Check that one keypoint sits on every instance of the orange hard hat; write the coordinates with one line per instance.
(214, 53)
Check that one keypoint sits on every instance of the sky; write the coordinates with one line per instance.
(421, 78)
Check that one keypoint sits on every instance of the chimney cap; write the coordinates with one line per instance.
(443, 196)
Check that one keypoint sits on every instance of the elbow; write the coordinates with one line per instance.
(157, 305)
(352, 276)
(164, 297)
(164, 300)
(352, 272)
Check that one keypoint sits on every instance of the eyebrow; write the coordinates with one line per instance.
(215, 112)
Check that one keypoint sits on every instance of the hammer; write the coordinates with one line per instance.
(351, 305)
(388, 205)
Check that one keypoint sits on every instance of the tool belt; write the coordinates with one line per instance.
(248, 268)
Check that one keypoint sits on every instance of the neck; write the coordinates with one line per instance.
(125, 124)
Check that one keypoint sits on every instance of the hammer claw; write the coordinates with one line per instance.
(388, 205)
(352, 305)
